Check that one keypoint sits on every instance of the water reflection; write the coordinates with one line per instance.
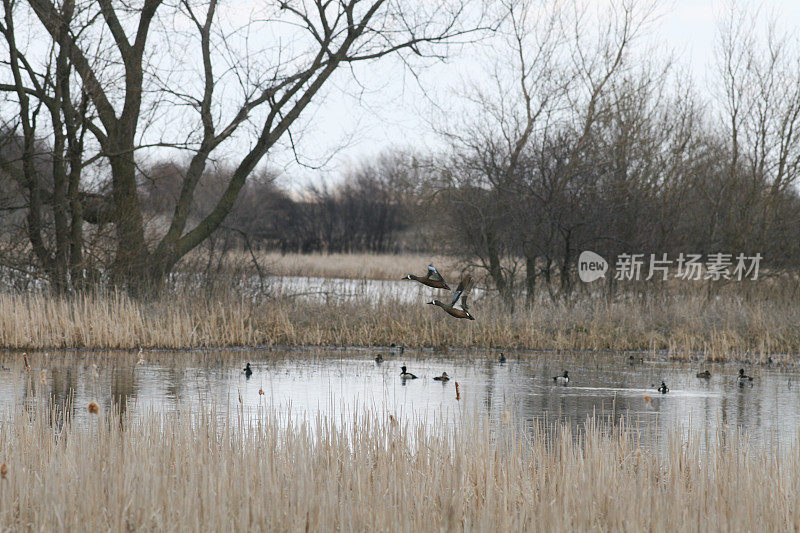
(303, 383)
(339, 290)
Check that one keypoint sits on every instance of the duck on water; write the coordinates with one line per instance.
(404, 374)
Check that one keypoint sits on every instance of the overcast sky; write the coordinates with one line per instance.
(392, 111)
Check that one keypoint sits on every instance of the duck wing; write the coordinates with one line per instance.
(462, 290)
(433, 274)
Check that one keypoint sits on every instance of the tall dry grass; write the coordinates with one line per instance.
(725, 328)
(346, 265)
(205, 472)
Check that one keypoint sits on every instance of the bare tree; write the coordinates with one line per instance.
(548, 97)
(760, 85)
(102, 79)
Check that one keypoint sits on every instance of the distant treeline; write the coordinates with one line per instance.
(569, 141)
(365, 211)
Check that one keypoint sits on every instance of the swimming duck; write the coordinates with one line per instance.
(743, 378)
(562, 379)
(248, 371)
(406, 375)
(397, 350)
(502, 358)
(663, 389)
(634, 360)
(443, 377)
(432, 279)
(379, 358)
(705, 374)
(461, 292)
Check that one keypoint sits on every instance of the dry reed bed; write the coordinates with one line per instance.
(344, 265)
(723, 329)
(204, 472)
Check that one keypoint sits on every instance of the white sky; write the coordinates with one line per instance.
(393, 111)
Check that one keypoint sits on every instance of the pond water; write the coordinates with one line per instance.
(340, 290)
(304, 382)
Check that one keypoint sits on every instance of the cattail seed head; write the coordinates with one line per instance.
(3, 470)
(93, 407)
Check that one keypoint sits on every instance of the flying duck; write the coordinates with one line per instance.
(461, 292)
(432, 279)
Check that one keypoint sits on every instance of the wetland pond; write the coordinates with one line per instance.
(304, 383)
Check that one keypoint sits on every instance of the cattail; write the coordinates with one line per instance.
(458, 393)
(42, 377)
(140, 362)
(647, 398)
(393, 421)
(25, 358)
(93, 407)
(261, 392)
(3, 470)
(240, 397)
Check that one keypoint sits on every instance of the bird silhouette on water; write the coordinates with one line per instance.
(248, 371)
(563, 379)
(405, 374)
(743, 378)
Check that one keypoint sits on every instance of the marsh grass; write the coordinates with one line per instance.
(346, 265)
(682, 326)
(213, 472)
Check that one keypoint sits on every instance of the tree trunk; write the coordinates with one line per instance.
(530, 279)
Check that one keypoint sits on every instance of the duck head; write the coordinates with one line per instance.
(444, 374)
(741, 371)
(403, 369)
(434, 302)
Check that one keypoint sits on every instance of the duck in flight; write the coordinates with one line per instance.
(432, 279)
(406, 375)
(461, 293)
